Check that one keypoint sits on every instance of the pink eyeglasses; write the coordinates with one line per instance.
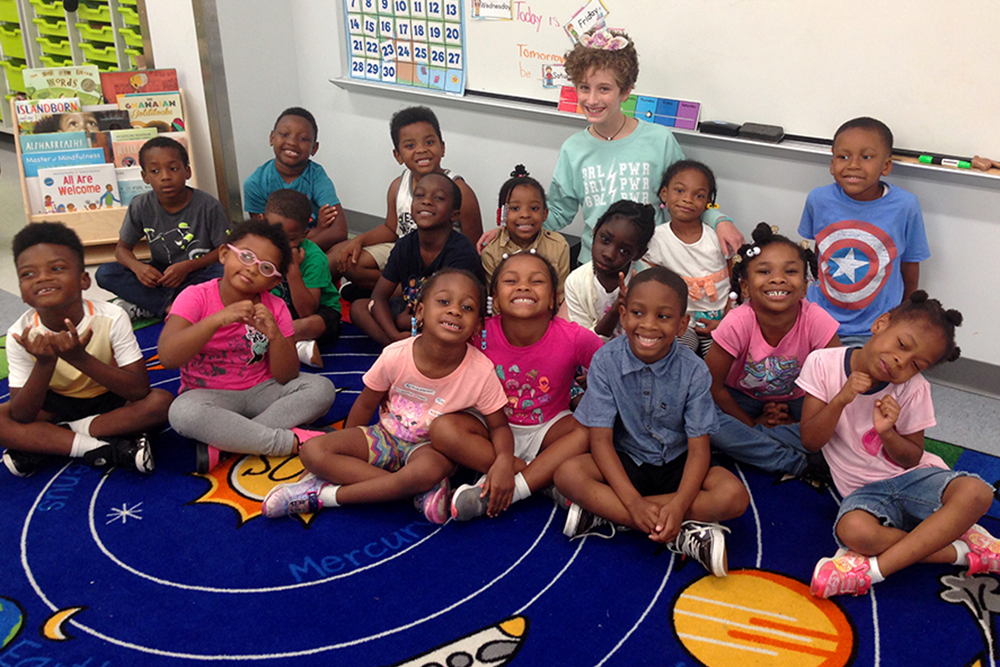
(248, 258)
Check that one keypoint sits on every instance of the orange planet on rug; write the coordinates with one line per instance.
(753, 617)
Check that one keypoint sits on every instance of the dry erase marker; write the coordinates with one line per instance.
(947, 162)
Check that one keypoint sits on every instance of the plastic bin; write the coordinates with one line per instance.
(96, 32)
(104, 54)
(8, 11)
(130, 15)
(10, 40)
(100, 13)
(53, 8)
(132, 37)
(128, 2)
(51, 28)
(15, 74)
(104, 67)
(132, 55)
(56, 61)
(54, 46)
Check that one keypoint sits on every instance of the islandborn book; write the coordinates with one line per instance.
(159, 110)
(86, 188)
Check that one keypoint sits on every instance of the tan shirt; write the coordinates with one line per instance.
(550, 245)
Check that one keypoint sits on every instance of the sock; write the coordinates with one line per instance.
(83, 444)
(81, 425)
(874, 572)
(328, 495)
(962, 549)
(521, 490)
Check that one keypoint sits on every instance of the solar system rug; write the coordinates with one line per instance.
(181, 569)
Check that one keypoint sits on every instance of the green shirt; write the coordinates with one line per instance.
(315, 269)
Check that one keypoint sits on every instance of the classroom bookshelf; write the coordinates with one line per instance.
(41, 33)
(97, 229)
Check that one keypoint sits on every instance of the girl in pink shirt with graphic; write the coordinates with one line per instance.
(412, 383)
(536, 356)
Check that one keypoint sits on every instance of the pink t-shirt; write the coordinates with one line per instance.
(414, 400)
(855, 452)
(235, 357)
(537, 378)
(764, 372)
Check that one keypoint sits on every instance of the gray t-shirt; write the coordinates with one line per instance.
(195, 230)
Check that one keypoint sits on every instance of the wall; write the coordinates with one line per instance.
(754, 184)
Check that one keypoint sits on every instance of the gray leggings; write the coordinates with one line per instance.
(254, 420)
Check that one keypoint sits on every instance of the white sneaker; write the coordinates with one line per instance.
(705, 543)
(309, 353)
(135, 313)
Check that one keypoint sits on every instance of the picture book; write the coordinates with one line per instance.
(33, 162)
(133, 134)
(148, 81)
(53, 141)
(45, 115)
(70, 189)
(82, 81)
(108, 117)
(126, 153)
(130, 183)
(159, 110)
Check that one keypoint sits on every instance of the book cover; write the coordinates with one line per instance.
(133, 134)
(148, 81)
(82, 81)
(159, 110)
(40, 116)
(108, 117)
(47, 159)
(102, 140)
(53, 141)
(130, 184)
(69, 189)
(126, 153)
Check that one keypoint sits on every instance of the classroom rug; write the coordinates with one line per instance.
(181, 569)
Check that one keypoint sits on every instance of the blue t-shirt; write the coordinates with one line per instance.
(653, 408)
(860, 246)
(313, 182)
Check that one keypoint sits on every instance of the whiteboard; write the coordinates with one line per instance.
(927, 68)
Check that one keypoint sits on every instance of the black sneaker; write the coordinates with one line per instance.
(704, 542)
(25, 464)
(134, 454)
(581, 523)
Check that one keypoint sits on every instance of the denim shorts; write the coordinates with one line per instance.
(903, 501)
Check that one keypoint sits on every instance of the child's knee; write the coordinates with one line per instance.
(570, 472)
(974, 492)
(855, 530)
(157, 405)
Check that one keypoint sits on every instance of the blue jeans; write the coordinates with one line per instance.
(121, 282)
(778, 449)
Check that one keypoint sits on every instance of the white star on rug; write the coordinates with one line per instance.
(848, 264)
(124, 513)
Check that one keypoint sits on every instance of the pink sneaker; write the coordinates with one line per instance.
(984, 551)
(301, 497)
(435, 504)
(846, 572)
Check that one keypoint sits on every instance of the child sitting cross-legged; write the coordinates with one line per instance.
(307, 288)
(866, 409)
(78, 383)
(413, 382)
(649, 408)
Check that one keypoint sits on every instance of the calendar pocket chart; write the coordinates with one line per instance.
(413, 43)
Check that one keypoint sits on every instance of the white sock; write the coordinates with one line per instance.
(81, 425)
(874, 572)
(521, 490)
(328, 495)
(84, 443)
(962, 549)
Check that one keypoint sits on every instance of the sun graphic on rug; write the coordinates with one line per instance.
(241, 482)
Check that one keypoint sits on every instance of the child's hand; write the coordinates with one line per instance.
(774, 414)
(263, 321)
(668, 524)
(706, 327)
(174, 275)
(885, 414)
(622, 291)
(39, 346)
(298, 255)
(149, 276)
(327, 214)
(645, 513)
(349, 255)
(857, 383)
(69, 344)
(241, 311)
(486, 239)
(499, 485)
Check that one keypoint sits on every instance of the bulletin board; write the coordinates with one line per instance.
(410, 43)
(926, 68)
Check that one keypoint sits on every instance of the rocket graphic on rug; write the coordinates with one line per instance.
(494, 645)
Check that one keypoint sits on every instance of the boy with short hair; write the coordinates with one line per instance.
(418, 146)
(74, 363)
(649, 408)
(184, 228)
(433, 245)
(306, 287)
(869, 235)
(295, 139)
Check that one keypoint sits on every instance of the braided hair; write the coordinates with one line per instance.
(921, 307)
(517, 177)
(764, 235)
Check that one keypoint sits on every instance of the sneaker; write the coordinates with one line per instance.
(581, 523)
(309, 354)
(25, 464)
(433, 504)
(134, 454)
(301, 497)
(466, 503)
(554, 493)
(984, 551)
(705, 543)
(135, 313)
(206, 458)
(846, 572)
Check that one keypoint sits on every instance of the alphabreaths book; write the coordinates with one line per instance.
(85, 188)
(159, 110)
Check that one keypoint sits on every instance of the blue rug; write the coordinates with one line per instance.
(181, 569)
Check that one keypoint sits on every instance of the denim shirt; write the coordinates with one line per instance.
(653, 408)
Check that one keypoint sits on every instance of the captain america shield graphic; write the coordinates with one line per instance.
(855, 261)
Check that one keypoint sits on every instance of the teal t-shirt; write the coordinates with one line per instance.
(315, 271)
